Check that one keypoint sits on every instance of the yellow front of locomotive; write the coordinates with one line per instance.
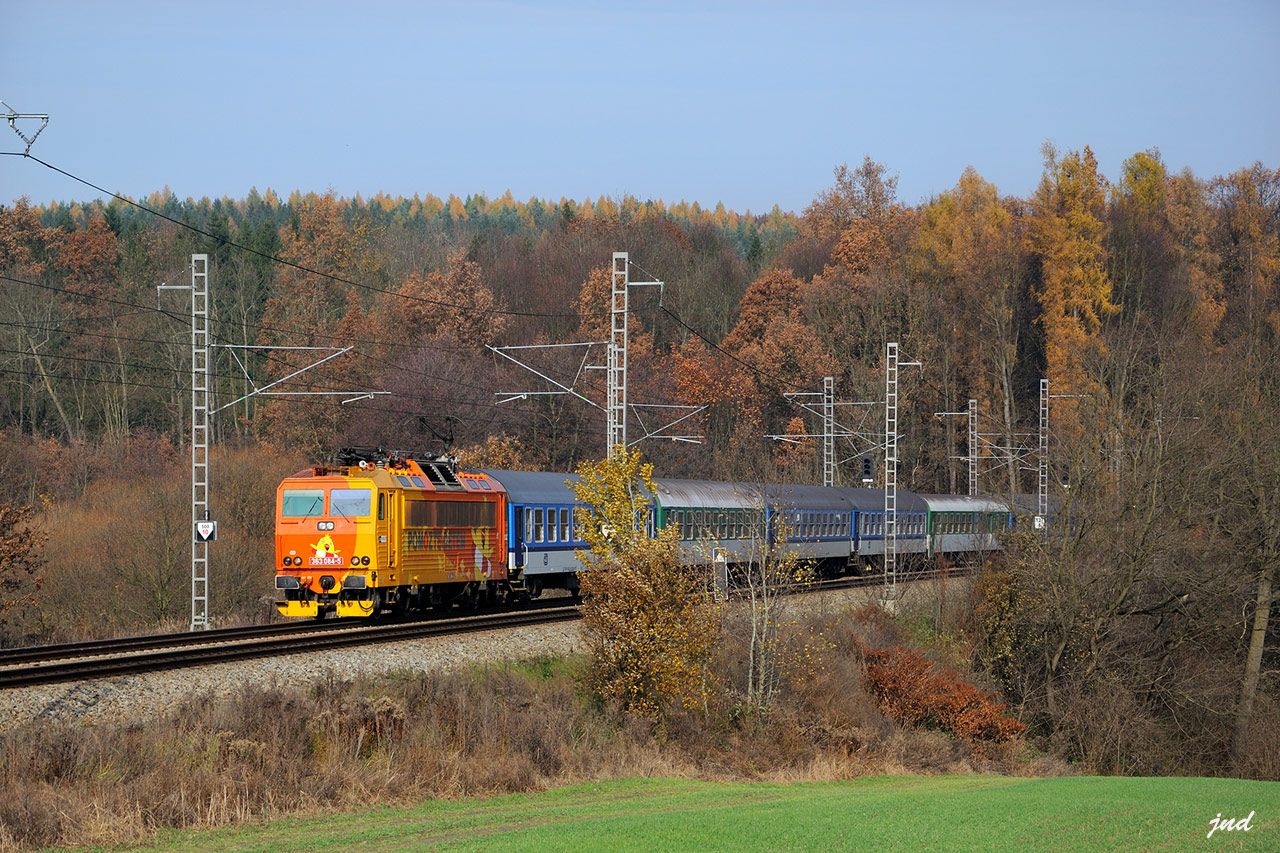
(326, 544)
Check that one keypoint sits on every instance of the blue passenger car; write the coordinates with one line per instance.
(542, 529)
(870, 527)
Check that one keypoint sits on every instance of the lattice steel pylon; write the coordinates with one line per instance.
(973, 447)
(201, 390)
(1042, 491)
(201, 384)
(615, 367)
(201, 365)
(892, 362)
(616, 404)
(828, 431)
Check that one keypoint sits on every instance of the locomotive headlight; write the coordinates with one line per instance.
(355, 561)
(364, 561)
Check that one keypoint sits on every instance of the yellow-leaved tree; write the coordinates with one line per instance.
(1067, 233)
(650, 624)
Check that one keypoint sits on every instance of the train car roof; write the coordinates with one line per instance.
(872, 500)
(963, 503)
(704, 493)
(535, 487)
(790, 496)
(721, 495)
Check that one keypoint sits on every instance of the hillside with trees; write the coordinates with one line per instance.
(1135, 638)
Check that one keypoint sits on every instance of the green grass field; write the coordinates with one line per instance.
(875, 813)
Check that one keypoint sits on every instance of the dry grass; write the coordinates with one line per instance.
(344, 743)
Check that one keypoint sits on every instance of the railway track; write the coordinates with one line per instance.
(118, 645)
(224, 650)
(65, 662)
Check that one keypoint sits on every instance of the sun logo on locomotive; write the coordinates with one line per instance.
(326, 553)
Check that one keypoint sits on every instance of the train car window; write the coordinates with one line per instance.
(537, 525)
(528, 524)
(302, 503)
(382, 506)
(564, 524)
(353, 503)
(552, 528)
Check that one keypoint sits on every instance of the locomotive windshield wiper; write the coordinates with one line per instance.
(316, 502)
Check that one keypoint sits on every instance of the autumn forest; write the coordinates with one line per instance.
(1150, 299)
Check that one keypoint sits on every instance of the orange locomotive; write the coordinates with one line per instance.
(387, 531)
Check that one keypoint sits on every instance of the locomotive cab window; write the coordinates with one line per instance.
(302, 503)
(382, 506)
(350, 503)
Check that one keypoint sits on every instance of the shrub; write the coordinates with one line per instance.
(915, 691)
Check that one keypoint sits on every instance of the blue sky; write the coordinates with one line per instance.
(747, 103)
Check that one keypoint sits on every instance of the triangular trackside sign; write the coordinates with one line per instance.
(206, 531)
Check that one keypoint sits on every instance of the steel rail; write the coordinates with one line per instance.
(83, 670)
(94, 648)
